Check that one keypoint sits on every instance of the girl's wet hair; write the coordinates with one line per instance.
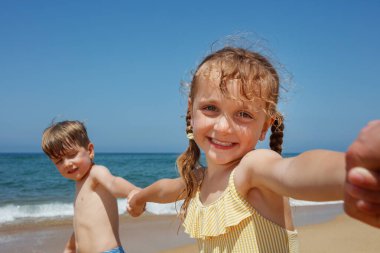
(63, 136)
(257, 80)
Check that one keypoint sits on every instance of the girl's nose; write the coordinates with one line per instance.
(222, 124)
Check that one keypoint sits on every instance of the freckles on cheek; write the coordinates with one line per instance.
(201, 123)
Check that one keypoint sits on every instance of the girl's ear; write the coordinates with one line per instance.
(268, 123)
(91, 151)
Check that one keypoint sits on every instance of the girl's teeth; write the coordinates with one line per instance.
(226, 144)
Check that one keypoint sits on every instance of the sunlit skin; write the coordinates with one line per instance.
(96, 219)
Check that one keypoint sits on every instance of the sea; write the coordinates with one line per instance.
(32, 189)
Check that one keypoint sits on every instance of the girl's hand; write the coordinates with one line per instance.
(135, 208)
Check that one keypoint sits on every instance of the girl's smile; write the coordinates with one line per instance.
(221, 144)
(225, 128)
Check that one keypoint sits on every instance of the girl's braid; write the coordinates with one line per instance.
(276, 138)
(187, 164)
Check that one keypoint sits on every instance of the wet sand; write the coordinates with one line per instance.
(321, 229)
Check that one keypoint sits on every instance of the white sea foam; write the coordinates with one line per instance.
(10, 213)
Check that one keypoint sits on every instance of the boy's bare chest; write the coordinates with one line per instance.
(85, 200)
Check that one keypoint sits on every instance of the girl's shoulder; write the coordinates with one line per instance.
(259, 157)
(254, 165)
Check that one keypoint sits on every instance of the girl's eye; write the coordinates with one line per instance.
(209, 108)
(245, 115)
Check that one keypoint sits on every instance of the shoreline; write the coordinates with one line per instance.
(321, 229)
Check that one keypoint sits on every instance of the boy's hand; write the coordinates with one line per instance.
(362, 188)
(70, 245)
(135, 208)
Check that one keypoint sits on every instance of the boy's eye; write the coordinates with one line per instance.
(71, 155)
(58, 161)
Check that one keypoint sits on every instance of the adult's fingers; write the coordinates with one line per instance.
(352, 207)
(364, 178)
(367, 207)
(371, 196)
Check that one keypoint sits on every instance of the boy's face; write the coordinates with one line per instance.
(76, 162)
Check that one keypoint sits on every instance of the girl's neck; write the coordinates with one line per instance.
(216, 169)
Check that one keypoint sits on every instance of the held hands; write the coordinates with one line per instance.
(135, 208)
(362, 187)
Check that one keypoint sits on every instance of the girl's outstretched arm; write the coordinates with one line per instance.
(316, 175)
(161, 191)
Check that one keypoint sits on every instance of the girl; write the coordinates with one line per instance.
(237, 203)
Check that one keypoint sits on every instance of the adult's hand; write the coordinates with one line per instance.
(362, 188)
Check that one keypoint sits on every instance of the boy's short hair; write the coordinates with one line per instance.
(63, 136)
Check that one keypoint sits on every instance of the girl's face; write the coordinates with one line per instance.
(225, 129)
(75, 163)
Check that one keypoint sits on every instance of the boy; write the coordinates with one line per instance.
(96, 219)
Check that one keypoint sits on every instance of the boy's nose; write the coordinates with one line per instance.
(67, 162)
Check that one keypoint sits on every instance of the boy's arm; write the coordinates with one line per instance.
(117, 186)
(70, 245)
(162, 191)
(316, 175)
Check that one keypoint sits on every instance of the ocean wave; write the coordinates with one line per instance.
(11, 213)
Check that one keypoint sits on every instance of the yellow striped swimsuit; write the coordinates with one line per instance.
(231, 224)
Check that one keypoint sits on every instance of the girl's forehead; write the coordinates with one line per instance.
(208, 89)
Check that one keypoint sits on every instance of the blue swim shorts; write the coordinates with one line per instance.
(115, 250)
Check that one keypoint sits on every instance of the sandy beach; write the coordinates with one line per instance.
(152, 233)
(341, 235)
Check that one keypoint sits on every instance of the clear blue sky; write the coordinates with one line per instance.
(118, 65)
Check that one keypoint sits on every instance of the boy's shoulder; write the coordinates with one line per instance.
(98, 167)
(99, 174)
(98, 170)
